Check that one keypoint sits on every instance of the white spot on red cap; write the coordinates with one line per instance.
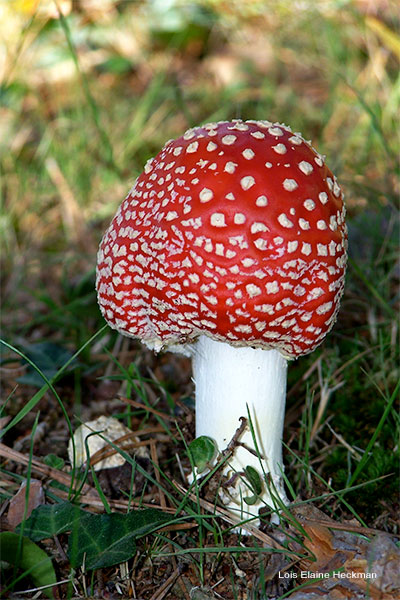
(201, 163)
(268, 165)
(206, 195)
(315, 293)
(295, 140)
(230, 196)
(189, 134)
(324, 308)
(306, 167)
(257, 227)
(309, 204)
(290, 185)
(262, 201)
(148, 166)
(248, 153)
(230, 167)
(272, 287)
(332, 248)
(279, 149)
(259, 135)
(306, 248)
(293, 245)
(332, 223)
(253, 290)
(299, 290)
(239, 219)
(276, 131)
(304, 224)
(243, 328)
(322, 250)
(321, 224)
(285, 221)
(247, 182)
(218, 220)
(228, 140)
(211, 146)
(323, 197)
(239, 125)
(193, 147)
(261, 244)
(319, 160)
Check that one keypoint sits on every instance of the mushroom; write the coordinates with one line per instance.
(231, 248)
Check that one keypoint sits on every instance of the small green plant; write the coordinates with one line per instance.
(202, 451)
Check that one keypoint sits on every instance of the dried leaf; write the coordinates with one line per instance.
(18, 504)
(345, 565)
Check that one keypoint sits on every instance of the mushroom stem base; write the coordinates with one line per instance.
(233, 382)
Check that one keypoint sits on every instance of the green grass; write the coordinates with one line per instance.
(85, 100)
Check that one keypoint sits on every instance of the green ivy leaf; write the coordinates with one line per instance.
(49, 520)
(109, 539)
(29, 558)
(95, 540)
(49, 358)
(202, 451)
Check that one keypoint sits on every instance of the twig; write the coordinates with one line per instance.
(163, 590)
(149, 409)
(45, 470)
(341, 439)
(120, 504)
(235, 439)
(107, 451)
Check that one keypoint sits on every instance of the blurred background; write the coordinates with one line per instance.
(90, 89)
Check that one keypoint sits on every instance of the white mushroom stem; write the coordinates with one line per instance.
(229, 379)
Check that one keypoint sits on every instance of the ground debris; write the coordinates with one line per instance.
(19, 508)
(344, 564)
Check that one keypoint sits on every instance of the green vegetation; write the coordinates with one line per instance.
(89, 91)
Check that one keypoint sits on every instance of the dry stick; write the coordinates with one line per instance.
(163, 590)
(149, 409)
(154, 458)
(107, 451)
(341, 439)
(88, 496)
(343, 527)
(45, 470)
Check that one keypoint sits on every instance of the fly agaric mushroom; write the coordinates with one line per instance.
(230, 248)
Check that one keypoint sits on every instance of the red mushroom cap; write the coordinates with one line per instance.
(235, 230)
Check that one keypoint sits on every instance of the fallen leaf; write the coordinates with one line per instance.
(345, 565)
(19, 507)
